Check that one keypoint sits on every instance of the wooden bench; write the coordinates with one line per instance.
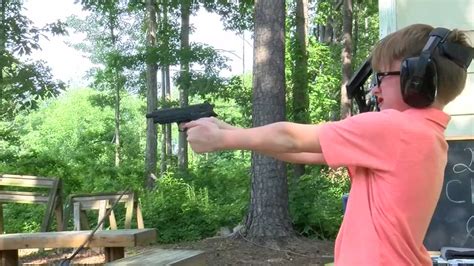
(171, 257)
(78, 204)
(50, 196)
(113, 242)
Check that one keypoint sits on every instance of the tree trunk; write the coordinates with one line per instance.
(167, 81)
(116, 89)
(166, 147)
(164, 155)
(184, 81)
(168, 98)
(300, 73)
(152, 96)
(3, 42)
(355, 27)
(346, 57)
(329, 32)
(117, 120)
(268, 215)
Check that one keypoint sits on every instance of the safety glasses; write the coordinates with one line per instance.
(381, 75)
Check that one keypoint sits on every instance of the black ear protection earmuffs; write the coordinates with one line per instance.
(418, 75)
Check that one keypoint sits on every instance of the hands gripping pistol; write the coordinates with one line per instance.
(181, 115)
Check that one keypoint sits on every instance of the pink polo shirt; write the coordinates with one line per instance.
(396, 161)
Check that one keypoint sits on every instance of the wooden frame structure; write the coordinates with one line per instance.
(51, 196)
(114, 242)
(78, 204)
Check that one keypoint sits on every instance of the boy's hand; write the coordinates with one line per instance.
(204, 135)
(221, 124)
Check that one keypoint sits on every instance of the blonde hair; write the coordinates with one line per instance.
(409, 42)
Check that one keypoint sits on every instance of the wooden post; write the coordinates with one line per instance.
(1, 218)
(114, 253)
(50, 206)
(58, 208)
(102, 211)
(77, 216)
(9, 257)
(84, 221)
(112, 220)
(140, 223)
(129, 212)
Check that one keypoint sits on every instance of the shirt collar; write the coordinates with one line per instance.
(432, 114)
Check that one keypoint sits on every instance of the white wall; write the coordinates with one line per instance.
(396, 14)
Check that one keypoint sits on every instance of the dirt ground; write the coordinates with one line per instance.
(218, 250)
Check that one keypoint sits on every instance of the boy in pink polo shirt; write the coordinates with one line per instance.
(396, 157)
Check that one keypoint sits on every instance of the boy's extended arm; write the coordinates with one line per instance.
(280, 137)
(299, 158)
(275, 139)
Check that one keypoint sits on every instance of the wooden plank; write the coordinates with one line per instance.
(9, 257)
(165, 257)
(1, 218)
(128, 213)
(460, 138)
(113, 221)
(22, 197)
(72, 239)
(77, 216)
(102, 211)
(27, 177)
(59, 213)
(111, 197)
(84, 221)
(53, 194)
(91, 205)
(26, 181)
(23, 193)
(140, 223)
(66, 214)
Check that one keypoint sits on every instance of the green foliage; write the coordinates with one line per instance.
(113, 44)
(23, 83)
(22, 217)
(226, 176)
(196, 206)
(316, 203)
(326, 12)
(365, 31)
(206, 63)
(72, 138)
(236, 15)
(179, 211)
(324, 69)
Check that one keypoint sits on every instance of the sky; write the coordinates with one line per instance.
(70, 65)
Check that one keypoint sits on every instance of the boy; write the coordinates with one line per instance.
(396, 157)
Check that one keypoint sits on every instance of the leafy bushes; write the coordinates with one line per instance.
(316, 202)
(23, 217)
(196, 206)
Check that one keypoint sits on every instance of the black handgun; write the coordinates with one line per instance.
(181, 115)
(355, 87)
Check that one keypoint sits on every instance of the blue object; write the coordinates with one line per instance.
(345, 198)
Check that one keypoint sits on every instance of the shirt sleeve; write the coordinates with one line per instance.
(368, 140)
